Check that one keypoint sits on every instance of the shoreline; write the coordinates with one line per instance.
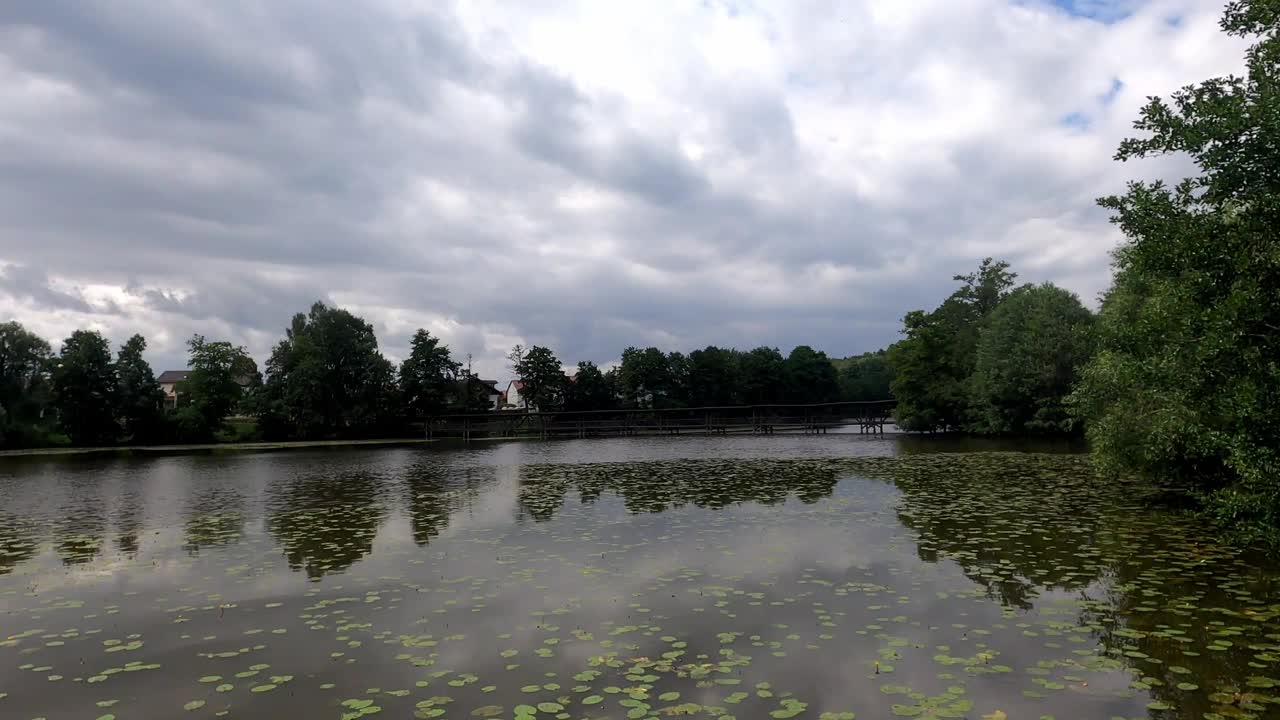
(208, 447)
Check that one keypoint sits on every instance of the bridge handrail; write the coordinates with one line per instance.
(663, 411)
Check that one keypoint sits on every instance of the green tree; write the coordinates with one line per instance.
(713, 377)
(590, 389)
(327, 378)
(139, 397)
(541, 375)
(84, 389)
(211, 391)
(866, 377)
(762, 376)
(1028, 359)
(249, 378)
(932, 364)
(25, 360)
(645, 376)
(428, 376)
(469, 394)
(1186, 386)
(679, 389)
(810, 377)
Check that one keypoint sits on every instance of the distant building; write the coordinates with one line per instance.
(169, 380)
(495, 395)
(513, 398)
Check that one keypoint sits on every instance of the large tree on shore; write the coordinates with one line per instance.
(84, 389)
(645, 375)
(211, 391)
(25, 360)
(810, 377)
(139, 397)
(590, 389)
(932, 364)
(1028, 359)
(713, 377)
(1186, 387)
(541, 375)
(761, 376)
(327, 378)
(429, 376)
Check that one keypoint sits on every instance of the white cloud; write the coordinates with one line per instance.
(576, 174)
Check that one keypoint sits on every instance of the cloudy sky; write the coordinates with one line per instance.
(582, 175)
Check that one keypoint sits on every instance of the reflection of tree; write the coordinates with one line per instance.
(17, 542)
(1183, 596)
(435, 492)
(1149, 588)
(1015, 524)
(215, 518)
(128, 523)
(326, 524)
(78, 535)
(658, 486)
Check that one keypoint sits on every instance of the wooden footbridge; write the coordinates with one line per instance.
(868, 416)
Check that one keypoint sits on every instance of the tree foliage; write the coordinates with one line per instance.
(645, 376)
(326, 378)
(933, 363)
(428, 377)
(541, 375)
(810, 377)
(1186, 387)
(590, 389)
(211, 390)
(84, 389)
(1027, 361)
(713, 377)
(866, 377)
(25, 360)
(762, 376)
(140, 401)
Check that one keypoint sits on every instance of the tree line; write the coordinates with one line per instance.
(651, 378)
(326, 379)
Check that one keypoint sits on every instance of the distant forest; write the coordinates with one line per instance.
(326, 379)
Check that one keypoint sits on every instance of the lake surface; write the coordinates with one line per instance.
(785, 576)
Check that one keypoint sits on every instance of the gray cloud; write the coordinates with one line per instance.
(788, 173)
(32, 284)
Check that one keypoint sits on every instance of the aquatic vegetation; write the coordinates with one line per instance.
(789, 585)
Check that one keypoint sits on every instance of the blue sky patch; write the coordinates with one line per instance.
(1104, 11)
(1076, 120)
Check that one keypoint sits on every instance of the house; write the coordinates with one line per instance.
(512, 397)
(169, 380)
(495, 395)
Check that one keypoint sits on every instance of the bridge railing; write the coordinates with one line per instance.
(869, 416)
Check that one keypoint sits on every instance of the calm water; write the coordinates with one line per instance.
(787, 576)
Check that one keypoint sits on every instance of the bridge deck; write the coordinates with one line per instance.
(870, 417)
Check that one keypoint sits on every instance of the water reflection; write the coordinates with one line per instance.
(658, 486)
(128, 523)
(916, 585)
(214, 518)
(17, 542)
(434, 492)
(80, 530)
(325, 523)
(1014, 533)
